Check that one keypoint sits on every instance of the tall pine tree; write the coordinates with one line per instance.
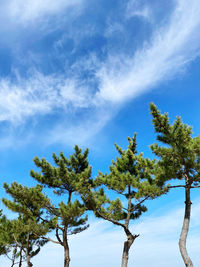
(131, 178)
(66, 178)
(179, 159)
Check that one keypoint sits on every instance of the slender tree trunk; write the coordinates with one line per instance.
(20, 258)
(185, 229)
(29, 264)
(13, 262)
(125, 254)
(66, 257)
(130, 237)
(66, 249)
(28, 258)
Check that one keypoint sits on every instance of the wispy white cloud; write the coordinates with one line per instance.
(39, 95)
(172, 47)
(27, 11)
(134, 9)
(114, 81)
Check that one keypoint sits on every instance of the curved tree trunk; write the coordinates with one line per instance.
(185, 229)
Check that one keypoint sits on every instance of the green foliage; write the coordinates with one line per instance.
(179, 158)
(67, 178)
(69, 174)
(131, 176)
(5, 237)
(8, 245)
(26, 232)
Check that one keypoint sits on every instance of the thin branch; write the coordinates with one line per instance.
(51, 240)
(57, 235)
(19, 244)
(119, 192)
(108, 219)
(139, 203)
(44, 220)
(125, 209)
(47, 238)
(126, 230)
(8, 256)
(175, 186)
(19, 262)
(195, 186)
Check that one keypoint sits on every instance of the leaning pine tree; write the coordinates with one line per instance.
(180, 160)
(131, 178)
(66, 179)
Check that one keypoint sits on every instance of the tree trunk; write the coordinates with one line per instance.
(66, 256)
(13, 262)
(185, 229)
(127, 245)
(20, 258)
(29, 264)
(28, 258)
(66, 248)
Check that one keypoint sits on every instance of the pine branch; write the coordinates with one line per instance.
(57, 236)
(19, 262)
(51, 240)
(20, 246)
(109, 219)
(139, 203)
(175, 186)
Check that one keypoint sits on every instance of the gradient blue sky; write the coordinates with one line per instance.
(84, 72)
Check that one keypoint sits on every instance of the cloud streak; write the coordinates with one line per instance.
(28, 11)
(117, 79)
(172, 47)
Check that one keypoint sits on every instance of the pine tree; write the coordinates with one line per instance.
(26, 233)
(179, 159)
(67, 179)
(8, 246)
(131, 178)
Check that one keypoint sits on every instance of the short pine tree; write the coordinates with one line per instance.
(8, 245)
(179, 159)
(28, 230)
(67, 178)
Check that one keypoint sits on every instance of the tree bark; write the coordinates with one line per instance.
(127, 245)
(66, 249)
(185, 229)
(20, 258)
(13, 262)
(66, 256)
(28, 258)
(29, 264)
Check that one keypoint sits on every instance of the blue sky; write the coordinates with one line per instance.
(84, 72)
